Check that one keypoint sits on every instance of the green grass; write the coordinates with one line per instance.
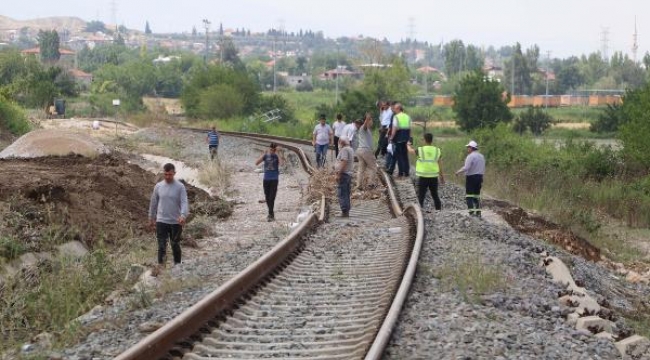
(569, 183)
(305, 103)
(570, 114)
(470, 274)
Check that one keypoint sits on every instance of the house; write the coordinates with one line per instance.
(493, 71)
(340, 72)
(82, 78)
(66, 60)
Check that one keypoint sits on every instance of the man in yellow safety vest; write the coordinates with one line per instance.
(428, 169)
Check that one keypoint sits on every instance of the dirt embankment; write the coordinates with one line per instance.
(49, 200)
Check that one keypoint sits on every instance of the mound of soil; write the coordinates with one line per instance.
(53, 142)
(537, 226)
(49, 200)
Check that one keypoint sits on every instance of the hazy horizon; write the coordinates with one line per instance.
(564, 28)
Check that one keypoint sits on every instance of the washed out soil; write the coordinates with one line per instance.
(49, 200)
(539, 227)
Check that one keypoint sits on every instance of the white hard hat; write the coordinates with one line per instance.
(472, 144)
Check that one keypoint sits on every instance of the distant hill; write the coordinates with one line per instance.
(72, 24)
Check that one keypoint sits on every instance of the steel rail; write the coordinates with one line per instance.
(192, 322)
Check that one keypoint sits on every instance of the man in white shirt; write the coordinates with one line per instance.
(350, 133)
(338, 126)
(321, 140)
(385, 118)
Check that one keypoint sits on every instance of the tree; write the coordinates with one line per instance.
(635, 130)
(534, 119)
(609, 120)
(147, 29)
(95, 26)
(479, 102)
(454, 57)
(519, 68)
(49, 43)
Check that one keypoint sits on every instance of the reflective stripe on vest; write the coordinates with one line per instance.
(403, 121)
(427, 162)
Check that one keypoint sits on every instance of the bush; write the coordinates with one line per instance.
(277, 101)
(609, 120)
(479, 103)
(305, 86)
(220, 101)
(534, 119)
(13, 118)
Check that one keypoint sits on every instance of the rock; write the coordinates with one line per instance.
(43, 341)
(92, 315)
(587, 322)
(73, 249)
(134, 273)
(150, 326)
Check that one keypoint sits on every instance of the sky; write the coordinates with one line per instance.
(563, 27)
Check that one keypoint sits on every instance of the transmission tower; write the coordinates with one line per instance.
(114, 13)
(604, 43)
(635, 42)
(411, 31)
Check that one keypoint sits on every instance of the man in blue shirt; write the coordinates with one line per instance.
(213, 142)
(272, 163)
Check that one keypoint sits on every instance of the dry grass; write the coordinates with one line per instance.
(216, 175)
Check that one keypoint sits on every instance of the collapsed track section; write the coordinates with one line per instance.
(330, 290)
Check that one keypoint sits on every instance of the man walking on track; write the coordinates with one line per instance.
(428, 169)
(213, 142)
(272, 163)
(344, 175)
(474, 169)
(168, 210)
(321, 140)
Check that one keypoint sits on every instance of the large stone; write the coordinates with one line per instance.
(633, 341)
(584, 323)
(134, 273)
(73, 249)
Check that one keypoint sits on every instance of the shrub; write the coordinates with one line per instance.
(13, 118)
(277, 101)
(220, 101)
(534, 119)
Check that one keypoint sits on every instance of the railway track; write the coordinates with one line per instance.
(330, 290)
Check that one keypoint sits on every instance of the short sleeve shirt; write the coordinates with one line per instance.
(338, 128)
(322, 133)
(346, 153)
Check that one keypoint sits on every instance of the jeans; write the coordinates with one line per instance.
(431, 184)
(402, 156)
(321, 154)
(473, 184)
(343, 192)
(270, 190)
(171, 232)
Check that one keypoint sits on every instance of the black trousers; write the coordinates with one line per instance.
(336, 146)
(473, 184)
(431, 184)
(270, 190)
(171, 232)
(382, 143)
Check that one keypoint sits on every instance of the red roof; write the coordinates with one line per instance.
(80, 74)
(37, 50)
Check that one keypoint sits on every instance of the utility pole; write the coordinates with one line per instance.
(274, 60)
(548, 63)
(206, 24)
(604, 39)
(512, 77)
(336, 100)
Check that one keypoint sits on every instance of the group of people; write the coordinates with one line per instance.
(169, 208)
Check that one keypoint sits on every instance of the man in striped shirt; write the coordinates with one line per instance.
(213, 142)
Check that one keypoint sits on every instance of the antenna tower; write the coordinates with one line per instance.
(604, 42)
(635, 42)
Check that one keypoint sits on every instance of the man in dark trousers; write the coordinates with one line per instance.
(213, 142)
(428, 169)
(474, 169)
(399, 136)
(168, 210)
(272, 163)
(344, 175)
